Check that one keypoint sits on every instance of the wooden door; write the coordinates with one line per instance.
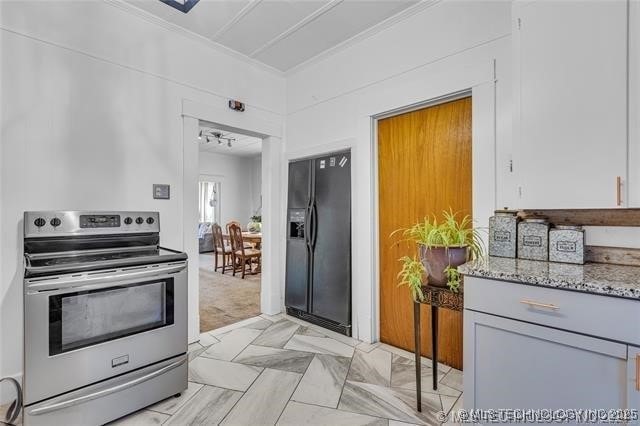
(424, 167)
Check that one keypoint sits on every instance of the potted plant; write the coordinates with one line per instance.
(442, 247)
(256, 224)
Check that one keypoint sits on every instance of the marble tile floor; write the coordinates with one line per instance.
(271, 370)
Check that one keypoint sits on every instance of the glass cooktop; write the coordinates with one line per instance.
(61, 262)
(92, 258)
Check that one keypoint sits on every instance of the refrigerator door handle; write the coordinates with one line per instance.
(307, 226)
(309, 233)
(314, 225)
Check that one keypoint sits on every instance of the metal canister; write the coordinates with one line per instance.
(533, 239)
(566, 244)
(503, 227)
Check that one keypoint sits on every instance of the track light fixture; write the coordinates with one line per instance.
(211, 135)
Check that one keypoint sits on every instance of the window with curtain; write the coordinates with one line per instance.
(209, 196)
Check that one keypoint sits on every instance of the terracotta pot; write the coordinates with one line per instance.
(436, 260)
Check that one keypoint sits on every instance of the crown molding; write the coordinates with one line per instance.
(151, 18)
(369, 32)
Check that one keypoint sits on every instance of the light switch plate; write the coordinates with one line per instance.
(161, 191)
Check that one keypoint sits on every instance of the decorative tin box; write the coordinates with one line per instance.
(533, 239)
(503, 228)
(566, 244)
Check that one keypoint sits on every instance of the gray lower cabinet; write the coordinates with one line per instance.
(514, 364)
(534, 347)
(633, 377)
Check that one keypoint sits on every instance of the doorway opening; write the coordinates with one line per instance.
(230, 225)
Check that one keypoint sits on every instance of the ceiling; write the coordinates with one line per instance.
(279, 33)
(242, 145)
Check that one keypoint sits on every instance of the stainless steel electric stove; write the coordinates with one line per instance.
(105, 316)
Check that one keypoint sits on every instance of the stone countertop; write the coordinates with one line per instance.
(596, 278)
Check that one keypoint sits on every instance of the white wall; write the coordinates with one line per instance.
(256, 185)
(448, 47)
(239, 182)
(91, 107)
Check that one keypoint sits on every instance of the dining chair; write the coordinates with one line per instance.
(235, 222)
(242, 256)
(220, 248)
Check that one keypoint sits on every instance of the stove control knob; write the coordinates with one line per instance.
(55, 222)
(128, 220)
(139, 220)
(150, 220)
(40, 222)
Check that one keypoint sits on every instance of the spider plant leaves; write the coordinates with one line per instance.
(432, 233)
(411, 276)
(450, 232)
(453, 279)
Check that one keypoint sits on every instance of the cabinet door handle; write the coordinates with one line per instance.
(638, 372)
(540, 305)
(618, 190)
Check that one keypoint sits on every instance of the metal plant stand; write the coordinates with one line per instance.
(437, 297)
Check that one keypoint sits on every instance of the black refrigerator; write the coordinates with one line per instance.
(318, 273)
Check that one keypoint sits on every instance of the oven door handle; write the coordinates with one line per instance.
(60, 405)
(92, 282)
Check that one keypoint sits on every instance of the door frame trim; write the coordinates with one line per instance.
(480, 94)
(465, 93)
(270, 131)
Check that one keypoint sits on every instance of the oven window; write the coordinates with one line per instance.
(81, 319)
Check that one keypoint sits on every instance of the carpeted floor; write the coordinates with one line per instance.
(225, 299)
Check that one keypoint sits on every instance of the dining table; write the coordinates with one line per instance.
(254, 238)
(249, 237)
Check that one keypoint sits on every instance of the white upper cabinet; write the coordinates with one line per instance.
(634, 104)
(571, 85)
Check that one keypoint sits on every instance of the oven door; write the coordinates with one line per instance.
(84, 328)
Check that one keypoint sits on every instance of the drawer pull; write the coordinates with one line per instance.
(638, 372)
(540, 305)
